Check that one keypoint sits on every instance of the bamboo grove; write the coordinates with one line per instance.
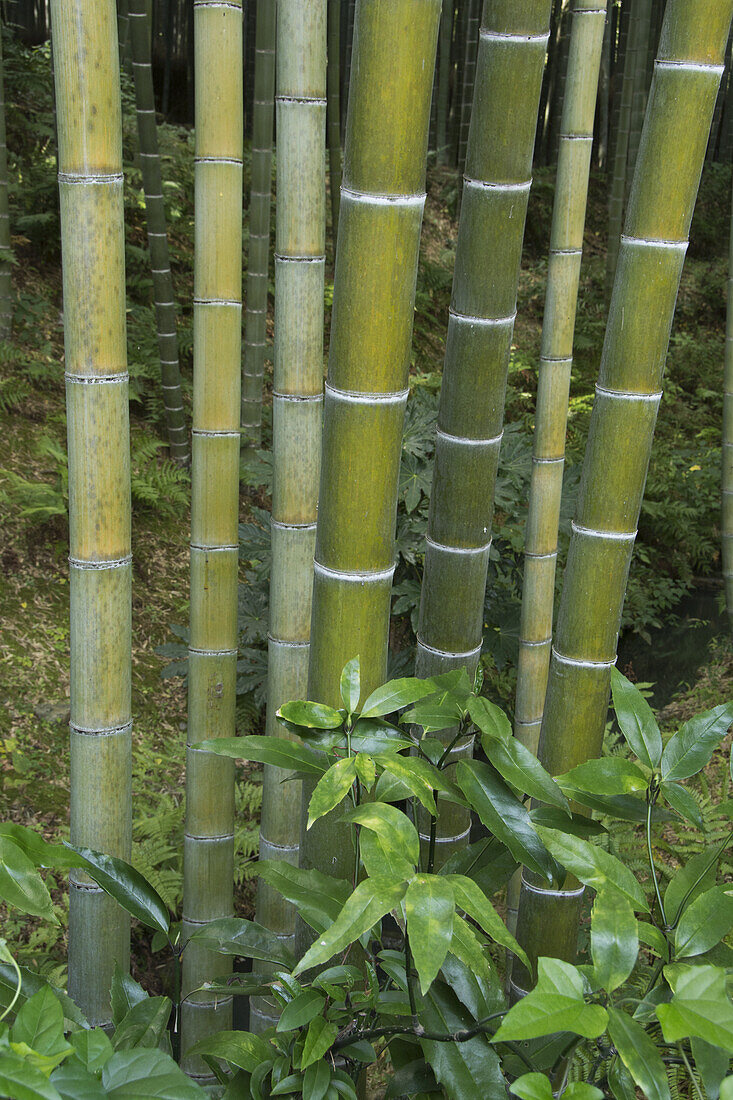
(488, 90)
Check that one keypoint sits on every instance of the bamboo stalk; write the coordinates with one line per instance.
(638, 100)
(469, 79)
(333, 112)
(620, 158)
(6, 278)
(165, 306)
(681, 101)
(297, 416)
(382, 200)
(209, 834)
(510, 63)
(93, 246)
(727, 516)
(255, 323)
(443, 76)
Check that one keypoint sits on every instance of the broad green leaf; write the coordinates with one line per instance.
(144, 1074)
(487, 861)
(22, 1081)
(412, 1079)
(301, 1010)
(620, 1081)
(237, 1048)
(636, 720)
(382, 856)
(711, 1063)
(351, 684)
(417, 782)
(474, 902)
(314, 715)
(392, 826)
(646, 1009)
(437, 712)
(555, 1004)
(319, 1037)
(289, 1085)
(593, 866)
(317, 1081)
(396, 694)
(429, 907)
(652, 937)
(726, 1089)
(503, 814)
(20, 883)
(580, 1090)
(144, 1024)
(124, 994)
(614, 939)
(694, 743)
(366, 769)
(39, 851)
(237, 986)
(45, 1062)
(369, 902)
(75, 1082)
(243, 938)
(30, 984)
(685, 879)
(608, 775)
(490, 719)
(577, 824)
(40, 1024)
(375, 735)
(639, 1054)
(92, 1047)
(467, 1070)
(704, 923)
(465, 946)
(277, 751)
(478, 988)
(522, 769)
(331, 788)
(532, 1086)
(683, 801)
(626, 807)
(127, 886)
(318, 898)
(700, 1006)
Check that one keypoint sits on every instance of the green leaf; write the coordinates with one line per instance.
(417, 780)
(245, 939)
(614, 939)
(579, 1090)
(467, 1070)
(490, 719)
(301, 1010)
(503, 814)
(700, 1006)
(277, 751)
(331, 788)
(412, 1079)
(22, 1081)
(92, 1047)
(144, 1024)
(726, 1089)
(429, 907)
(124, 994)
(143, 1074)
(366, 769)
(369, 902)
(711, 1063)
(636, 720)
(351, 684)
(437, 712)
(375, 735)
(620, 1081)
(652, 937)
(38, 850)
(478, 988)
(704, 923)
(313, 715)
(40, 1024)
(683, 801)
(577, 824)
(609, 775)
(319, 1037)
(382, 856)
(626, 807)
(532, 1086)
(20, 883)
(465, 946)
(318, 898)
(237, 1048)
(522, 770)
(394, 829)
(639, 1054)
(290, 1084)
(555, 1004)
(396, 694)
(694, 743)
(473, 901)
(127, 886)
(593, 866)
(685, 879)
(75, 1082)
(30, 984)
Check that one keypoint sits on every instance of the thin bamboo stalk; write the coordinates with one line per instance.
(558, 99)
(510, 63)
(638, 101)
(443, 98)
(469, 79)
(620, 158)
(93, 248)
(165, 306)
(255, 318)
(682, 98)
(333, 121)
(209, 832)
(604, 88)
(297, 417)
(382, 201)
(727, 517)
(6, 278)
(123, 30)
(351, 7)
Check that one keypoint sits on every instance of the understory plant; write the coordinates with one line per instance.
(407, 957)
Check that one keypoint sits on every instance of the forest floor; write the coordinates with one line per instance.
(680, 529)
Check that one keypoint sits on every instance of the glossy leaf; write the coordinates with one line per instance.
(466, 1070)
(577, 824)
(144, 1074)
(532, 1086)
(521, 768)
(394, 828)
(92, 1047)
(694, 743)
(22, 1081)
(555, 1004)
(636, 720)
(40, 1024)
(332, 788)
(267, 750)
(75, 1082)
(20, 883)
(351, 684)
(245, 939)
(374, 735)
(625, 807)
(125, 993)
(700, 1006)
(237, 1048)
(127, 886)
(382, 856)
(318, 898)
(580, 1090)
(490, 719)
(639, 1054)
(301, 1010)
(712, 1064)
(412, 1079)
(416, 782)
(437, 712)
(503, 814)
(474, 902)
(465, 946)
(726, 1089)
(319, 1038)
(685, 880)
(144, 1024)
(396, 694)
(704, 923)
(608, 775)
(683, 801)
(620, 1081)
(429, 907)
(30, 984)
(593, 866)
(652, 937)
(314, 715)
(40, 852)
(366, 769)
(614, 939)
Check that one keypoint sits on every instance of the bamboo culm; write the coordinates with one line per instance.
(333, 112)
(727, 524)
(651, 256)
(620, 159)
(510, 63)
(639, 94)
(6, 278)
(209, 831)
(443, 78)
(165, 306)
(473, 21)
(255, 317)
(382, 201)
(86, 65)
(297, 419)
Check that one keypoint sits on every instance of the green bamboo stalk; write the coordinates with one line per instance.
(297, 418)
(469, 79)
(510, 63)
(638, 100)
(558, 99)
(727, 524)
(165, 306)
(681, 101)
(93, 246)
(382, 201)
(123, 30)
(620, 158)
(255, 323)
(350, 10)
(604, 90)
(443, 97)
(209, 834)
(6, 279)
(333, 121)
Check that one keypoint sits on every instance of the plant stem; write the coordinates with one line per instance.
(461, 1036)
(652, 794)
(695, 1085)
(410, 974)
(713, 859)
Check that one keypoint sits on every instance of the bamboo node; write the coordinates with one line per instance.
(382, 200)
(367, 398)
(112, 563)
(467, 318)
(468, 655)
(90, 179)
(593, 532)
(468, 440)
(521, 39)
(628, 395)
(580, 662)
(476, 551)
(489, 185)
(373, 575)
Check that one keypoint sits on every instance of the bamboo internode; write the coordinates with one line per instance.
(93, 248)
(6, 278)
(727, 517)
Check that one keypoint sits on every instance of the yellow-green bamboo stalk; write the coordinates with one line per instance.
(209, 836)
(334, 111)
(86, 66)
(473, 17)
(297, 417)
(258, 256)
(382, 201)
(6, 280)
(165, 306)
(641, 87)
(510, 62)
(443, 77)
(727, 525)
(621, 151)
(651, 256)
